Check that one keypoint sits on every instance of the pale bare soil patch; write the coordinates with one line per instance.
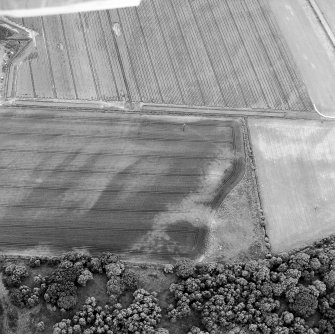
(236, 233)
(296, 169)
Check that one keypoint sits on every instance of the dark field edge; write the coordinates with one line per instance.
(55, 109)
(238, 168)
(248, 141)
(229, 182)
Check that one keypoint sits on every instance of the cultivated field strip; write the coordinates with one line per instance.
(100, 60)
(214, 44)
(236, 53)
(60, 66)
(157, 48)
(288, 59)
(111, 176)
(227, 53)
(275, 59)
(79, 57)
(180, 237)
(23, 82)
(42, 85)
(139, 53)
(122, 49)
(178, 53)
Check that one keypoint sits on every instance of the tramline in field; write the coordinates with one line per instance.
(128, 185)
(203, 53)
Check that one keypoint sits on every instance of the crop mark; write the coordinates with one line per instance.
(282, 48)
(102, 171)
(123, 154)
(109, 58)
(247, 53)
(54, 92)
(266, 54)
(168, 51)
(68, 56)
(94, 75)
(234, 177)
(125, 80)
(117, 120)
(149, 55)
(188, 51)
(128, 55)
(27, 206)
(58, 135)
(242, 62)
(116, 229)
(98, 190)
(207, 53)
(31, 70)
(223, 42)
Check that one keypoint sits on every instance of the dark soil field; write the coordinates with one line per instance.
(205, 53)
(129, 185)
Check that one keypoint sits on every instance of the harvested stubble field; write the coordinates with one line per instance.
(104, 182)
(311, 48)
(204, 52)
(296, 169)
(328, 10)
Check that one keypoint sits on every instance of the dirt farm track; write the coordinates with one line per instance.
(204, 53)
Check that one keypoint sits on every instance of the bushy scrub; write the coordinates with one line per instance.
(142, 316)
(24, 296)
(276, 295)
(71, 272)
(14, 274)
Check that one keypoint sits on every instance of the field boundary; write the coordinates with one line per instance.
(160, 109)
(321, 18)
(251, 156)
(238, 170)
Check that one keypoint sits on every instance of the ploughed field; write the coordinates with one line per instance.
(207, 53)
(296, 170)
(102, 182)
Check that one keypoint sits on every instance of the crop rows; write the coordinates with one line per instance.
(107, 184)
(207, 52)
